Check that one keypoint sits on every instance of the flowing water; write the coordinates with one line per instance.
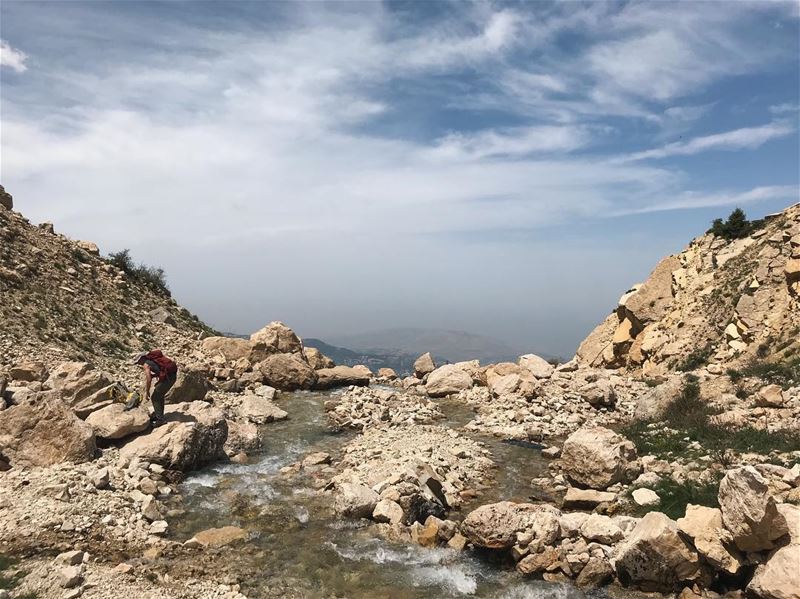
(298, 548)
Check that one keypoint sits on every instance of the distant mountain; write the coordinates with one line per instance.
(400, 362)
(453, 346)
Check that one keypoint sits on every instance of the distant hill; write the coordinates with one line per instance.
(400, 362)
(453, 346)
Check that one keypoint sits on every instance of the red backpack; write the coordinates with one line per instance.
(165, 365)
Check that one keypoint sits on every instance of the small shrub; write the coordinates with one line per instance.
(695, 359)
(150, 276)
(734, 375)
(786, 374)
(675, 496)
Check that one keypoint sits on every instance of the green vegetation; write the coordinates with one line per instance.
(695, 359)
(786, 374)
(686, 419)
(675, 496)
(150, 276)
(736, 227)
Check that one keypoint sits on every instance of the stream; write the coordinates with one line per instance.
(297, 547)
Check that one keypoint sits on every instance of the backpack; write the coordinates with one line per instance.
(166, 366)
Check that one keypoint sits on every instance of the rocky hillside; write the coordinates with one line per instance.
(62, 301)
(719, 302)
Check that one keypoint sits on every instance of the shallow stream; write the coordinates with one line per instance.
(298, 548)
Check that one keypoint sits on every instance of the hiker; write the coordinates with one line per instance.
(155, 365)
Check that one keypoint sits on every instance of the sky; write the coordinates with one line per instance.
(503, 168)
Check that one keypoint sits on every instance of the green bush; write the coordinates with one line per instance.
(786, 374)
(695, 359)
(736, 227)
(675, 496)
(150, 276)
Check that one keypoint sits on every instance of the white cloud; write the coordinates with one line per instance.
(693, 199)
(784, 108)
(12, 58)
(745, 138)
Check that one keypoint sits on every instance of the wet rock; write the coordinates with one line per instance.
(217, 537)
(654, 556)
(44, 432)
(113, 422)
(597, 457)
(547, 560)
(316, 459)
(496, 525)
(749, 510)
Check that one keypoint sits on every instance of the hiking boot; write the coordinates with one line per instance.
(156, 421)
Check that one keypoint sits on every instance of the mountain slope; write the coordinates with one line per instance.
(59, 300)
(454, 346)
(719, 301)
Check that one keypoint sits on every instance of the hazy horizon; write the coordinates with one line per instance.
(500, 168)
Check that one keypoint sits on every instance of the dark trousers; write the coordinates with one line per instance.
(159, 392)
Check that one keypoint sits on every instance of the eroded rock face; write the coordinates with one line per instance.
(28, 372)
(651, 301)
(76, 381)
(44, 432)
(598, 457)
(6, 200)
(496, 525)
(113, 422)
(446, 380)
(278, 336)
(287, 372)
(749, 510)
(194, 435)
(340, 376)
(654, 556)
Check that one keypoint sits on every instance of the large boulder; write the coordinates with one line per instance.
(194, 435)
(316, 359)
(496, 525)
(749, 510)
(190, 385)
(703, 525)
(230, 348)
(260, 410)
(113, 422)
(507, 378)
(355, 501)
(287, 372)
(44, 432)
(279, 337)
(341, 376)
(779, 578)
(597, 457)
(654, 556)
(537, 366)
(446, 380)
(597, 348)
(424, 365)
(28, 372)
(76, 382)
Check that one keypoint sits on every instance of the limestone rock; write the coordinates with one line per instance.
(645, 497)
(593, 349)
(597, 457)
(6, 200)
(77, 381)
(586, 498)
(654, 556)
(163, 316)
(446, 380)
(287, 372)
(596, 573)
(389, 511)
(779, 578)
(260, 410)
(538, 367)
(601, 529)
(387, 373)
(424, 365)
(278, 336)
(190, 385)
(193, 436)
(316, 359)
(340, 376)
(217, 537)
(496, 525)
(651, 301)
(28, 371)
(749, 510)
(770, 396)
(704, 526)
(230, 348)
(113, 422)
(355, 501)
(43, 433)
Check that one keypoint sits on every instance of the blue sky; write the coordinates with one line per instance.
(503, 168)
